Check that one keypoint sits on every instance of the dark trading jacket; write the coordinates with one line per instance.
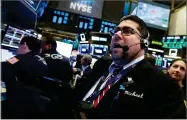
(19, 103)
(151, 95)
(28, 66)
(58, 66)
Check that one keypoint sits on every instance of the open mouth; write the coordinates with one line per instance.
(117, 45)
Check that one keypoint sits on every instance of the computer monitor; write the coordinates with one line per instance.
(13, 37)
(64, 48)
(84, 48)
(98, 50)
(6, 54)
(154, 14)
(174, 45)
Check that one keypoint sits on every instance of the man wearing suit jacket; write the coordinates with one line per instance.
(132, 87)
(85, 70)
(83, 75)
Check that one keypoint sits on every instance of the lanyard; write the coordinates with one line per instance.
(113, 80)
(93, 92)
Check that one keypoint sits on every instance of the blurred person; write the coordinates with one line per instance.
(58, 65)
(59, 69)
(24, 68)
(28, 64)
(131, 87)
(78, 61)
(96, 72)
(177, 71)
(85, 69)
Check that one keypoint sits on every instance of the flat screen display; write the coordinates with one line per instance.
(7, 54)
(64, 49)
(18, 13)
(84, 48)
(98, 50)
(107, 27)
(13, 37)
(155, 15)
(174, 42)
(175, 45)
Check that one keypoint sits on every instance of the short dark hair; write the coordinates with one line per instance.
(33, 43)
(142, 26)
(50, 40)
(175, 60)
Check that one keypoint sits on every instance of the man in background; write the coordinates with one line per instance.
(85, 69)
(24, 68)
(59, 69)
(28, 64)
(59, 66)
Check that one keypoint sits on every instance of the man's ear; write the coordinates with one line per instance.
(50, 46)
(25, 45)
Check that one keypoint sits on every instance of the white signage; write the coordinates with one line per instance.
(80, 7)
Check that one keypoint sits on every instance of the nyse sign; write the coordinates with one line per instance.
(80, 7)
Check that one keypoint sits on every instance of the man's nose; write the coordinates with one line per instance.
(117, 36)
(177, 69)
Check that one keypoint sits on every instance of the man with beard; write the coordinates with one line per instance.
(132, 87)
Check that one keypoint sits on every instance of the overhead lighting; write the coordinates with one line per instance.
(156, 50)
(175, 57)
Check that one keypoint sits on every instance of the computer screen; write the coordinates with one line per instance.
(98, 50)
(174, 46)
(6, 54)
(18, 13)
(13, 36)
(154, 14)
(84, 48)
(106, 26)
(64, 48)
(174, 42)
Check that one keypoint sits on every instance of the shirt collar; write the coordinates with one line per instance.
(84, 67)
(113, 65)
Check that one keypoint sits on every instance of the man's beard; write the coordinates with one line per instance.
(118, 56)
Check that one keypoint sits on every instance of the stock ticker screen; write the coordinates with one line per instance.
(174, 42)
(60, 17)
(86, 23)
(174, 45)
(77, 23)
(106, 26)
